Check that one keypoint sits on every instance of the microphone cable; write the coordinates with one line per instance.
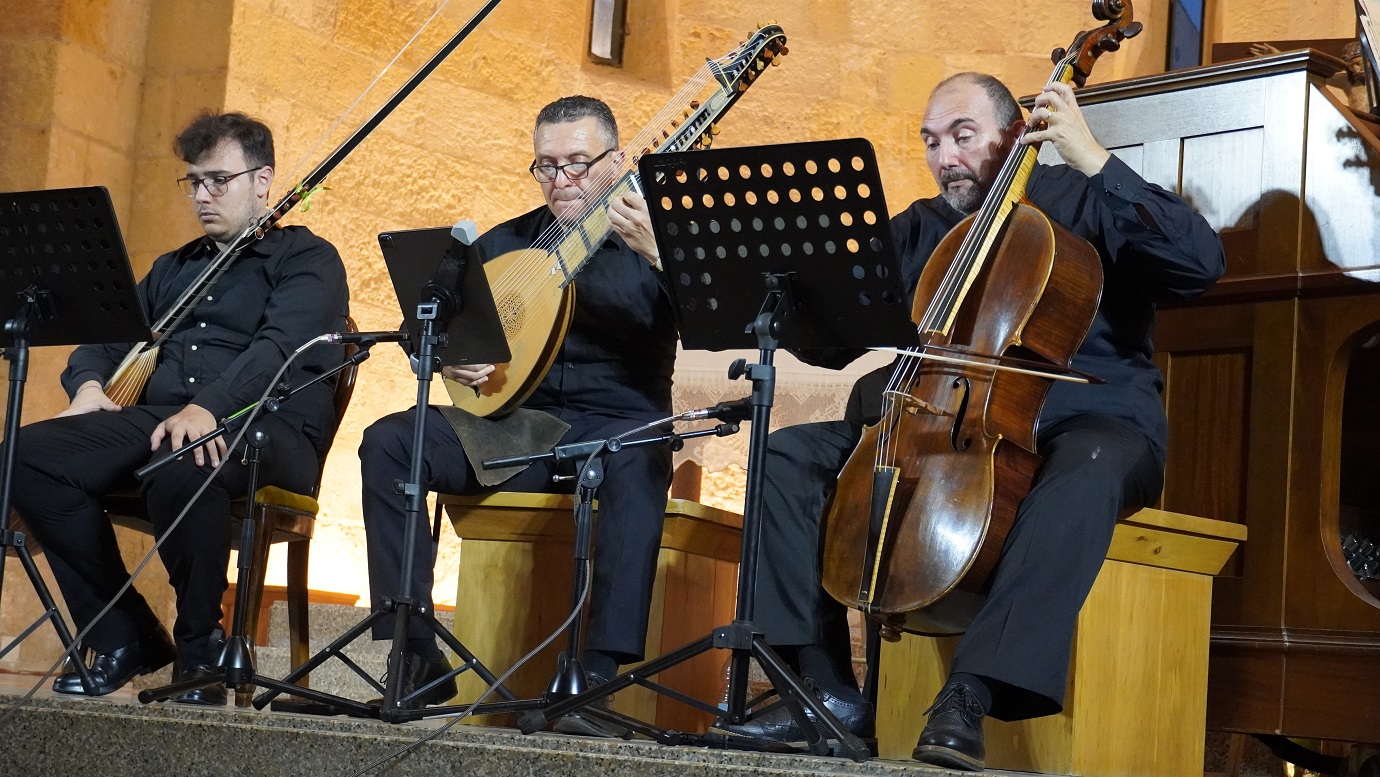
(70, 652)
(574, 612)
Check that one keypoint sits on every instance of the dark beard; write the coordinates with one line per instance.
(965, 201)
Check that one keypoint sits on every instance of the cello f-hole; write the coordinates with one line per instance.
(960, 445)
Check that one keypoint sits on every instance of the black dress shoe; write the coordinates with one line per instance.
(585, 725)
(778, 725)
(209, 695)
(420, 672)
(110, 671)
(953, 735)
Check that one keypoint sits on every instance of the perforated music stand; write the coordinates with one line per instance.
(792, 241)
(65, 279)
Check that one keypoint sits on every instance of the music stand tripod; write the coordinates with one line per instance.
(468, 333)
(234, 667)
(803, 229)
(65, 276)
(569, 679)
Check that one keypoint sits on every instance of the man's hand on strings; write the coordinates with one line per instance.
(472, 375)
(90, 398)
(187, 424)
(629, 217)
(1058, 120)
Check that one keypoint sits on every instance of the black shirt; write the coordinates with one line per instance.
(620, 350)
(284, 290)
(1154, 248)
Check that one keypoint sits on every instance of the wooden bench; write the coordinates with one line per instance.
(514, 589)
(1137, 694)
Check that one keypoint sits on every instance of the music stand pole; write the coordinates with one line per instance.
(569, 678)
(403, 608)
(809, 221)
(37, 302)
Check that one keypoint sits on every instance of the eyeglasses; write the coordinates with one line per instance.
(215, 184)
(574, 171)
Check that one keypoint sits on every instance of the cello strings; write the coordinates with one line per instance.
(307, 157)
(950, 287)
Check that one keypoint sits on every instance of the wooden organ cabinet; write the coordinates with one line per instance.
(1273, 378)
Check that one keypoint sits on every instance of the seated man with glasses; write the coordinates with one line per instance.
(612, 374)
(282, 291)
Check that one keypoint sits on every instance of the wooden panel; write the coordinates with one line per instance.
(1254, 598)
(1222, 179)
(1342, 213)
(1321, 593)
(1245, 684)
(1208, 403)
(1161, 163)
(1329, 691)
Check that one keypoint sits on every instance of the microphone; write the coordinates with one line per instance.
(728, 412)
(369, 337)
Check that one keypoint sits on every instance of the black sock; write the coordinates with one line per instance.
(832, 669)
(981, 690)
(597, 662)
(425, 647)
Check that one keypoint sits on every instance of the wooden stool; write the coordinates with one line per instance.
(1137, 695)
(516, 564)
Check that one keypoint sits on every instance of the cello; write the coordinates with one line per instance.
(923, 505)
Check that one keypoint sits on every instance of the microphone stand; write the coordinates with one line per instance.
(569, 679)
(235, 664)
(270, 403)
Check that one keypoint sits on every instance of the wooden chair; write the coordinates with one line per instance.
(1137, 693)
(514, 588)
(280, 516)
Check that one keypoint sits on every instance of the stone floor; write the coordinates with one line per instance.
(115, 736)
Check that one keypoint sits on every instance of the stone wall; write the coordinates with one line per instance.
(458, 148)
(92, 91)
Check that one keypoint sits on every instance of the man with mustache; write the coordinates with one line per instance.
(283, 290)
(613, 373)
(1103, 445)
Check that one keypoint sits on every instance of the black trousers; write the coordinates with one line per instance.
(64, 465)
(632, 506)
(1095, 467)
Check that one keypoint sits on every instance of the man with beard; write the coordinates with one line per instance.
(1103, 445)
(282, 290)
(612, 374)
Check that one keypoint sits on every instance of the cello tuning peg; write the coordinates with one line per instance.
(1057, 54)
(1133, 29)
(1109, 44)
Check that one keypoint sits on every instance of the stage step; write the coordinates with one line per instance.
(116, 737)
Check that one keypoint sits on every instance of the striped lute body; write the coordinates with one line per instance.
(533, 288)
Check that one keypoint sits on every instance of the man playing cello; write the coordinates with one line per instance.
(1103, 445)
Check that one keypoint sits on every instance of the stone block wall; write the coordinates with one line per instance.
(92, 91)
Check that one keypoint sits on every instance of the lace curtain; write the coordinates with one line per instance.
(803, 394)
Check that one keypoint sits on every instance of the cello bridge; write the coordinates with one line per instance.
(911, 404)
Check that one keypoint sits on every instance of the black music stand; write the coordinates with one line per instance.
(65, 279)
(456, 317)
(794, 240)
